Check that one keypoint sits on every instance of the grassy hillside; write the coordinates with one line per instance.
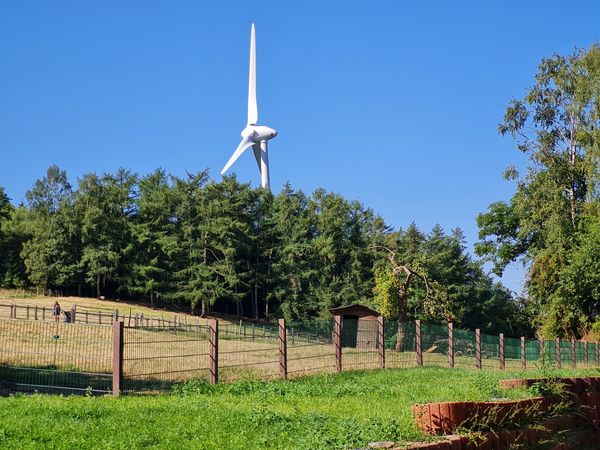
(346, 410)
(85, 303)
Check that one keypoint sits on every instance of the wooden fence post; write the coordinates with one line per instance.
(478, 348)
(282, 349)
(117, 374)
(73, 313)
(450, 344)
(381, 341)
(35, 313)
(419, 342)
(213, 339)
(502, 363)
(542, 355)
(573, 353)
(337, 342)
(523, 354)
(558, 358)
(585, 354)
(597, 354)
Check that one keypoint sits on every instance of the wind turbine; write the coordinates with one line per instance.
(255, 136)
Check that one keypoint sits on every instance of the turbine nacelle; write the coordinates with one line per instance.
(258, 133)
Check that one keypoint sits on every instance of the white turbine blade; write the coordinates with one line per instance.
(252, 106)
(256, 150)
(246, 142)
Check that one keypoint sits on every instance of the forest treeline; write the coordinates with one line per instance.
(225, 247)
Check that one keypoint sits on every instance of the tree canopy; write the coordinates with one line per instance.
(552, 221)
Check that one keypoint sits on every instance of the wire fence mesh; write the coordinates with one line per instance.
(155, 358)
(55, 357)
(248, 351)
(464, 348)
(310, 347)
(399, 343)
(435, 345)
(76, 357)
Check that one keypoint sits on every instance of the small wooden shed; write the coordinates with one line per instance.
(359, 325)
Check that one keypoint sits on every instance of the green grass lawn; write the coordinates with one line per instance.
(346, 410)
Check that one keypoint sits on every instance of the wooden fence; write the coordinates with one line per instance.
(151, 357)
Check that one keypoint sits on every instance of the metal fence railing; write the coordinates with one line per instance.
(77, 357)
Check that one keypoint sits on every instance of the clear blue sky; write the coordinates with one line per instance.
(392, 103)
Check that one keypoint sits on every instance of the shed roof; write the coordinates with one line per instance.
(354, 309)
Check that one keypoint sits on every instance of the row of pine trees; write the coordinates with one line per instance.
(208, 246)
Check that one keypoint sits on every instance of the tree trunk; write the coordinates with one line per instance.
(152, 298)
(203, 308)
(255, 300)
(402, 318)
(98, 286)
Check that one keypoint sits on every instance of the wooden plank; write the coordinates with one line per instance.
(523, 354)
(502, 362)
(478, 348)
(418, 343)
(451, 344)
(282, 348)
(214, 351)
(337, 341)
(381, 341)
(117, 377)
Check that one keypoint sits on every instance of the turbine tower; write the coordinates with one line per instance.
(255, 136)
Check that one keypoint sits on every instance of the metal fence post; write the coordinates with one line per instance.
(381, 341)
(450, 344)
(478, 348)
(558, 358)
(213, 337)
(117, 373)
(523, 354)
(282, 349)
(337, 342)
(502, 364)
(419, 342)
(573, 353)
